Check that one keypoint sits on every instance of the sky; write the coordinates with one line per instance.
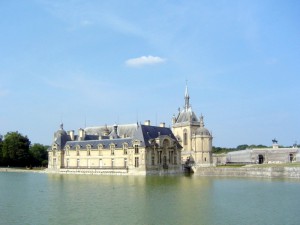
(91, 63)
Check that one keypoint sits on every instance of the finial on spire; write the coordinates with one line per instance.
(186, 97)
(201, 121)
(61, 126)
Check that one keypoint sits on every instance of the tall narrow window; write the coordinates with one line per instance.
(77, 150)
(136, 149)
(185, 137)
(125, 162)
(100, 147)
(125, 147)
(78, 163)
(112, 162)
(136, 161)
(159, 157)
(112, 149)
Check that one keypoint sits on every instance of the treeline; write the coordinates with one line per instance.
(239, 147)
(16, 151)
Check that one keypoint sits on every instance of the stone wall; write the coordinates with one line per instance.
(270, 172)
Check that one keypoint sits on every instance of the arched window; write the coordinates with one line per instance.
(185, 137)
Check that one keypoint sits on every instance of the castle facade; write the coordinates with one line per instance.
(134, 148)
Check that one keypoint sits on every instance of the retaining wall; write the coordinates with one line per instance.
(271, 172)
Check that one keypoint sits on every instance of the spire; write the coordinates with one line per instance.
(201, 121)
(186, 97)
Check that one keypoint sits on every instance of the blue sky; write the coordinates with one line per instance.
(106, 62)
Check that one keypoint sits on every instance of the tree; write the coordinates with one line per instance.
(39, 155)
(15, 149)
(242, 147)
(1, 155)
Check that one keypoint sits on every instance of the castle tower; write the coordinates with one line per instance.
(191, 134)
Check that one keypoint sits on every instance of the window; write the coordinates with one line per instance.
(78, 162)
(175, 160)
(125, 162)
(136, 149)
(77, 150)
(152, 160)
(152, 157)
(185, 137)
(88, 150)
(67, 149)
(112, 162)
(171, 153)
(136, 162)
(54, 153)
(100, 163)
(100, 147)
(67, 163)
(112, 149)
(159, 157)
(125, 147)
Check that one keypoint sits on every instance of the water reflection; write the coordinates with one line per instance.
(86, 199)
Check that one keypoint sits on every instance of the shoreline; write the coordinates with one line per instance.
(22, 170)
(244, 172)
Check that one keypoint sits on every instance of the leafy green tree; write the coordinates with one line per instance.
(242, 147)
(1, 155)
(39, 155)
(15, 149)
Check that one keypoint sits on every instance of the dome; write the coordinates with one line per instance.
(202, 131)
(61, 132)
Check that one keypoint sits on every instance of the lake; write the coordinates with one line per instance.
(37, 198)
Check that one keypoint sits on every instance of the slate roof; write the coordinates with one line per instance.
(125, 134)
(187, 115)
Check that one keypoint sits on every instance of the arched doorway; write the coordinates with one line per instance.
(260, 159)
(291, 157)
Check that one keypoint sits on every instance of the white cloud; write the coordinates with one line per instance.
(144, 60)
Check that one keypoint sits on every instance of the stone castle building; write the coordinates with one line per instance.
(134, 148)
(195, 139)
(123, 149)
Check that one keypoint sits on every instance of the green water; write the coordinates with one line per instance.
(32, 198)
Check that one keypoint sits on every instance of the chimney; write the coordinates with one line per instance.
(71, 134)
(147, 122)
(81, 134)
(162, 124)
